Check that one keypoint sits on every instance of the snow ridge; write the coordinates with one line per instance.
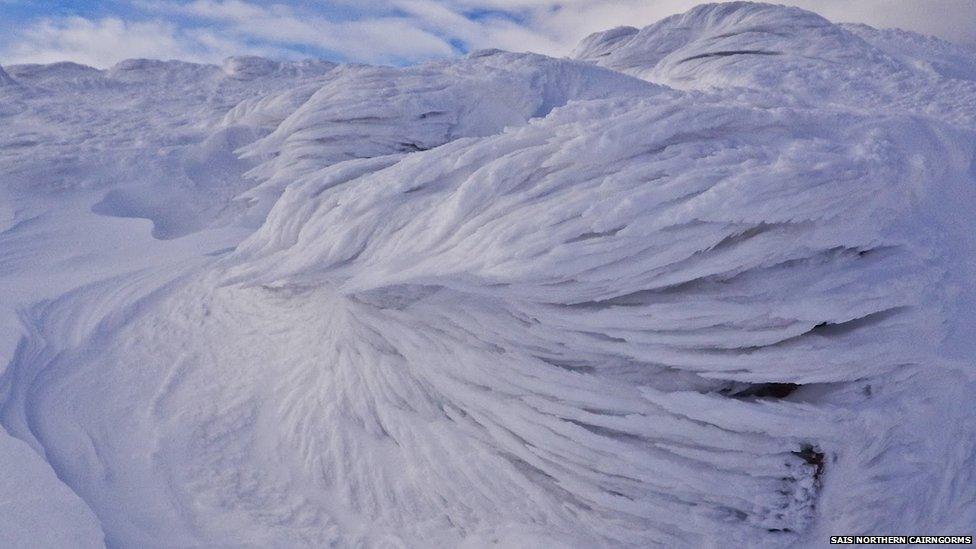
(784, 55)
(5, 79)
(424, 107)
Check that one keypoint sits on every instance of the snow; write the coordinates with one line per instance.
(709, 283)
(786, 56)
(5, 79)
(423, 107)
(37, 509)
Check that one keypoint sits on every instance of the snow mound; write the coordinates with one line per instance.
(365, 112)
(925, 53)
(157, 125)
(56, 77)
(732, 44)
(657, 249)
(794, 54)
(698, 203)
(5, 79)
(251, 67)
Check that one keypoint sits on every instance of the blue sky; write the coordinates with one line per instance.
(100, 33)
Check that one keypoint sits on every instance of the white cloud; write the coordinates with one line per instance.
(400, 31)
(376, 39)
(104, 42)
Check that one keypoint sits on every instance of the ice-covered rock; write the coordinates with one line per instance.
(247, 67)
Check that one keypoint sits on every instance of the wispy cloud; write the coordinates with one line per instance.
(375, 39)
(379, 31)
(102, 42)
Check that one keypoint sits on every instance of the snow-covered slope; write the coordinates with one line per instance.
(787, 56)
(5, 79)
(708, 284)
(422, 107)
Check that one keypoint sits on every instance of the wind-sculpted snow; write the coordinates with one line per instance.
(5, 79)
(735, 44)
(715, 292)
(641, 246)
(780, 55)
(366, 112)
(925, 53)
(712, 245)
(149, 123)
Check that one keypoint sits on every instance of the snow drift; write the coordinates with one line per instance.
(707, 284)
(5, 79)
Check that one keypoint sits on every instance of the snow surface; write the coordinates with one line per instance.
(5, 79)
(708, 284)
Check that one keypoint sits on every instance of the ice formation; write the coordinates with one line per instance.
(709, 283)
